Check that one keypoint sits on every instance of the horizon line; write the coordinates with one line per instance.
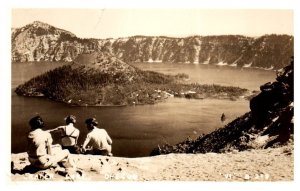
(161, 35)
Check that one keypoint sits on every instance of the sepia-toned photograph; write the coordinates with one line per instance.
(148, 94)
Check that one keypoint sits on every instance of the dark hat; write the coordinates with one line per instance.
(92, 121)
(70, 119)
(36, 122)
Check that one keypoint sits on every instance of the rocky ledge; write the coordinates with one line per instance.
(272, 164)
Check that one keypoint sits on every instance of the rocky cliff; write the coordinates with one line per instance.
(270, 122)
(42, 42)
(231, 50)
(39, 41)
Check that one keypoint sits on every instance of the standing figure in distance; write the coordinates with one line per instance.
(99, 139)
(69, 134)
(41, 153)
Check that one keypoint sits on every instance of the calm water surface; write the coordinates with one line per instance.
(136, 130)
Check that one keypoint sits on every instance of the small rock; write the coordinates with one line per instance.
(43, 175)
(234, 151)
(247, 177)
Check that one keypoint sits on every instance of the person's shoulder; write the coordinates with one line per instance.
(76, 132)
(91, 132)
(76, 129)
(103, 130)
(32, 133)
(97, 130)
(71, 125)
(44, 133)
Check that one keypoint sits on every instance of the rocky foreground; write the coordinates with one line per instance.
(272, 164)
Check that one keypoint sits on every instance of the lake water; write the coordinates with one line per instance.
(136, 130)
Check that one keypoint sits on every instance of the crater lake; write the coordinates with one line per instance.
(136, 130)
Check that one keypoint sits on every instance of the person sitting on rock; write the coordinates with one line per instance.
(41, 153)
(98, 138)
(69, 134)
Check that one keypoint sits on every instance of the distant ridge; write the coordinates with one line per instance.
(39, 41)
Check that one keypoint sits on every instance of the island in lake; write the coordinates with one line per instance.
(101, 79)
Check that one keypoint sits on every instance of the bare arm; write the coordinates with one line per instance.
(77, 135)
(109, 141)
(55, 129)
(48, 145)
(86, 142)
(49, 149)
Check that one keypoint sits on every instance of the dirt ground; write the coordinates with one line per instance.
(273, 164)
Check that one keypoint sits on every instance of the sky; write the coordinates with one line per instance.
(114, 23)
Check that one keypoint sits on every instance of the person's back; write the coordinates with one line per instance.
(99, 139)
(69, 136)
(37, 142)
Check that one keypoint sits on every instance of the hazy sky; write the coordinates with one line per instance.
(105, 23)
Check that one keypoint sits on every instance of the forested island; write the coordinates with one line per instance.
(101, 79)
